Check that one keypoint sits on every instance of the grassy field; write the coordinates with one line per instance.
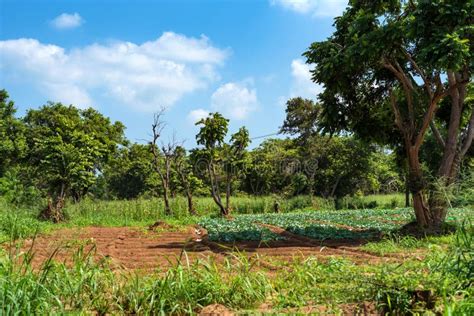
(405, 275)
(144, 212)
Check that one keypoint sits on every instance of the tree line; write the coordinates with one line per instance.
(62, 153)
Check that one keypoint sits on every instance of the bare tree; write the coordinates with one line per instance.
(164, 152)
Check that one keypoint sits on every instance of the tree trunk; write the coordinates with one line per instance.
(417, 187)
(407, 191)
(227, 193)
(191, 209)
(166, 199)
(452, 153)
(215, 192)
(454, 147)
(54, 211)
(334, 187)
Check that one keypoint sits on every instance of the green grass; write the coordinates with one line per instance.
(90, 286)
(146, 211)
(382, 201)
(23, 222)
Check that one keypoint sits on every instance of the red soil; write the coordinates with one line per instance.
(133, 248)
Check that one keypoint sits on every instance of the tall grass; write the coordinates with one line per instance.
(87, 284)
(141, 211)
(385, 201)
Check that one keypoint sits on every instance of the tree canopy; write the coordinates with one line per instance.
(388, 67)
(67, 147)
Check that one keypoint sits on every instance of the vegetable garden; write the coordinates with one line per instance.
(320, 225)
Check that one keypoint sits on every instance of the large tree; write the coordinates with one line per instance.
(387, 68)
(66, 148)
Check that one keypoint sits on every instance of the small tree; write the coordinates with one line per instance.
(235, 160)
(211, 136)
(302, 120)
(188, 180)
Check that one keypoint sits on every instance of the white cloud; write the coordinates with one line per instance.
(143, 76)
(235, 100)
(196, 115)
(318, 8)
(67, 21)
(302, 85)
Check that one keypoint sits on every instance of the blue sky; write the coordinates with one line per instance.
(128, 59)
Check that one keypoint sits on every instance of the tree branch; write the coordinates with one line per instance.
(427, 119)
(437, 134)
(469, 136)
(426, 81)
(407, 87)
(396, 110)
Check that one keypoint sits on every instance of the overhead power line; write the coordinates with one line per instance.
(264, 136)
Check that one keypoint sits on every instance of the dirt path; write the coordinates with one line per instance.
(133, 248)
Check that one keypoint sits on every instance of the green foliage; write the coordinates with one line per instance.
(12, 139)
(90, 285)
(446, 280)
(66, 149)
(67, 146)
(302, 118)
(16, 223)
(16, 190)
(320, 225)
(213, 131)
(186, 288)
(464, 191)
(55, 288)
(129, 173)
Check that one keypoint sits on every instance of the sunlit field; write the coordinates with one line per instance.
(257, 263)
(203, 157)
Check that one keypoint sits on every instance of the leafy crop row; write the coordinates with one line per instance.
(346, 224)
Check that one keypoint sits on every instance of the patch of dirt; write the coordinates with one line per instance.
(126, 248)
(216, 309)
(134, 248)
(160, 225)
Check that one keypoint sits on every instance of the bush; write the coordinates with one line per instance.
(14, 191)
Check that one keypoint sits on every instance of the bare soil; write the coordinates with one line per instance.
(138, 248)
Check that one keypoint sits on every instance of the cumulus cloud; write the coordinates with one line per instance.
(302, 85)
(143, 76)
(67, 21)
(235, 100)
(196, 115)
(318, 8)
